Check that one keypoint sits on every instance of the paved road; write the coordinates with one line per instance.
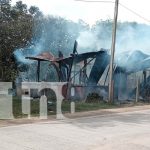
(124, 131)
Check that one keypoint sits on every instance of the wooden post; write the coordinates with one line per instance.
(137, 90)
(38, 71)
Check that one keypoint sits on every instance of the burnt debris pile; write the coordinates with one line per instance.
(88, 72)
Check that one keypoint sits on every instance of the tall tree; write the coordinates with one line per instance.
(16, 26)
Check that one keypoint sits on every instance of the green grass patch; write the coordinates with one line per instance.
(66, 106)
(81, 106)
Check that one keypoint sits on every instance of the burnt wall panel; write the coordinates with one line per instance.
(100, 64)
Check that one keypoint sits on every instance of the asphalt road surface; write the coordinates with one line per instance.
(123, 131)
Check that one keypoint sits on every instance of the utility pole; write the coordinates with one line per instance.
(111, 82)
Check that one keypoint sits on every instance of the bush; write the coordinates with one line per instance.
(94, 98)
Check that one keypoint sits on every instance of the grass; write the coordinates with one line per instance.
(80, 107)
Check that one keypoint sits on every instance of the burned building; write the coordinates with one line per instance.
(81, 72)
(87, 73)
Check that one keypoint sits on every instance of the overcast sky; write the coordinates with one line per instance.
(91, 12)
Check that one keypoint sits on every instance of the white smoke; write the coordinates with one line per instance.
(130, 37)
(87, 41)
(133, 37)
(30, 50)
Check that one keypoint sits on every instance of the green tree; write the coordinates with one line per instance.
(16, 31)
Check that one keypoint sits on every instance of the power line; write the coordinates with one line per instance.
(135, 13)
(132, 11)
(94, 1)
